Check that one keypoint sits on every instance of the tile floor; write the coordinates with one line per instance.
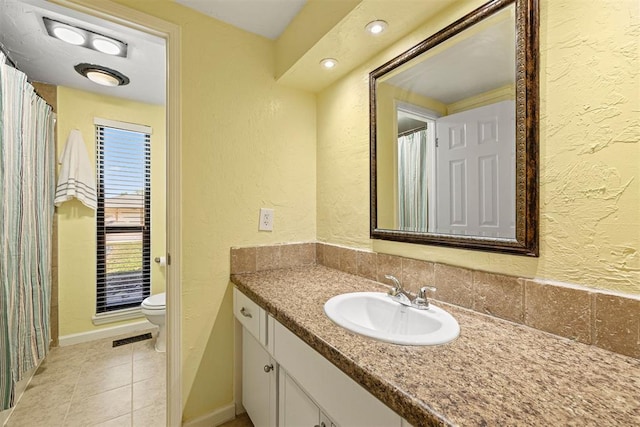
(241, 420)
(95, 384)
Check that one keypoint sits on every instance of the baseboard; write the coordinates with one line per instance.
(215, 418)
(99, 334)
(117, 316)
(240, 409)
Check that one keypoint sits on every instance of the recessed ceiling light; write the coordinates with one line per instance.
(69, 35)
(106, 46)
(376, 27)
(329, 63)
(102, 75)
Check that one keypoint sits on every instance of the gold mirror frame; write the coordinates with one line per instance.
(526, 81)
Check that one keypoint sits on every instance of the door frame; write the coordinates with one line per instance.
(170, 32)
(426, 115)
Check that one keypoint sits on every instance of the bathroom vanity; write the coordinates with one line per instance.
(281, 371)
(300, 368)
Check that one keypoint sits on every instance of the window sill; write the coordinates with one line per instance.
(117, 316)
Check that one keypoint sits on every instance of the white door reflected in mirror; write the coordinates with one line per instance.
(475, 172)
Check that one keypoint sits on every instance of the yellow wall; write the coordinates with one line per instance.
(589, 153)
(76, 222)
(247, 143)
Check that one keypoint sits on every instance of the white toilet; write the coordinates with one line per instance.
(154, 309)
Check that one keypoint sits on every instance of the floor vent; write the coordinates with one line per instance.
(124, 341)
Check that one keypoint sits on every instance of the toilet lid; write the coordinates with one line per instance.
(157, 301)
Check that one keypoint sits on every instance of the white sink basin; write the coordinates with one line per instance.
(376, 315)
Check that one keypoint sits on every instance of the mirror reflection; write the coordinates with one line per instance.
(446, 136)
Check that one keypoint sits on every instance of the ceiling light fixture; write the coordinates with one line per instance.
(69, 35)
(106, 46)
(85, 38)
(376, 27)
(102, 75)
(329, 63)
(102, 78)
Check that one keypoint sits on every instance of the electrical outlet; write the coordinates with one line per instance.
(266, 220)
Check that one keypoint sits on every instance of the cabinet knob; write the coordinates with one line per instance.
(245, 313)
(268, 368)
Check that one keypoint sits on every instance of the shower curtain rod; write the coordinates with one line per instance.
(8, 58)
(414, 130)
(12, 63)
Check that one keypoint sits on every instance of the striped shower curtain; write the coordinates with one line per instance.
(412, 181)
(26, 215)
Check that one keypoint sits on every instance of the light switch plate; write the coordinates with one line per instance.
(266, 219)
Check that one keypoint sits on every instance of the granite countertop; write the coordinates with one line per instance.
(495, 373)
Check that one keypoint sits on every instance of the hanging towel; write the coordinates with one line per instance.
(76, 175)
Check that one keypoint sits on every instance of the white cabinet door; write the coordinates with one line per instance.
(259, 376)
(326, 421)
(296, 408)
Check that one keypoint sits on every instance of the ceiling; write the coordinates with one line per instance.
(304, 31)
(46, 59)
(267, 18)
(488, 49)
(49, 60)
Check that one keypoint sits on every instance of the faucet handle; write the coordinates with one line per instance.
(421, 302)
(424, 289)
(397, 287)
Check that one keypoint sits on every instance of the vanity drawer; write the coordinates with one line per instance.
(250, 315)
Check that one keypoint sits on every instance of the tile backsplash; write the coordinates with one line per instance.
(260, 258)
(591, 316)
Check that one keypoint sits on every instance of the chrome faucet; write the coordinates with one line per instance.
(397, 292)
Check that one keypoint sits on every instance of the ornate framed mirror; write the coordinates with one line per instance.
(454, 135)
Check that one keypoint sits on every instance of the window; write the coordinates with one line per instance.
(123, 215)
